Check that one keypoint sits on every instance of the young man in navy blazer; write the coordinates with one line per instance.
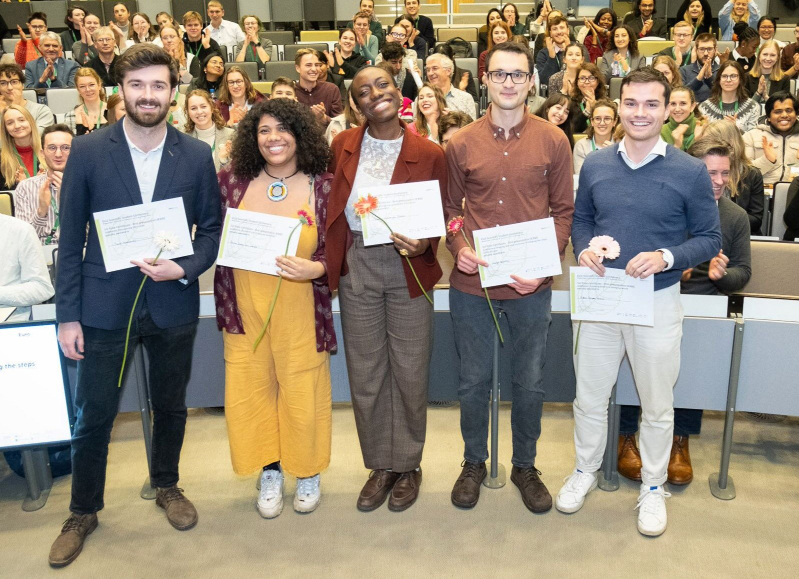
(139, 160)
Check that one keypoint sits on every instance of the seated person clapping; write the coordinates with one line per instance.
(729, 99)
(430, 105)
(50, 70)
(173, 44)
(83, 49)
(773, 146)
(236, 95)
(344, 60)
(12, 80)
(204, 122)
(90, 114)
(141, 30)
(586, 90)
(255, 48)
(622, 55)
(766, 76)
(24, 279)
(598, 37)
(20, 149)
(685, 123)
(565, 80)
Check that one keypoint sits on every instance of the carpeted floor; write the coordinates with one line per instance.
(754, 535)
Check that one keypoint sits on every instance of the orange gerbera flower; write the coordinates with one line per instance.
(365, 206)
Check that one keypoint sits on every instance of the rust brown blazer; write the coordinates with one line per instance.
(419, 160)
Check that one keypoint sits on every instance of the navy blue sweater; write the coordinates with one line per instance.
(666, 204)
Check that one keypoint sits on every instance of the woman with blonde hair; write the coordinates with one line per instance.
(91, 112)
(204, 122)
(21, 152)
(173, 43)
(746, 181)
(667, 66)
(698, 14)
(766, 76)
(430, 105)
(116, 108)
(236, 95)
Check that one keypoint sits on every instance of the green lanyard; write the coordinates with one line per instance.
(721, 107)
(199, 46)
(685, 58)
(593, 144)
(251, 50)
(22, 163)
(49, 239)
(99, 115)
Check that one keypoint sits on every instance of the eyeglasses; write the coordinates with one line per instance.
(682, 35)
(602, 120)
(729, 77)
(766, 27)
(517, 76)
(235, 82)
(55, 148)
(7, 83)
(103, 40)
(586, 79)
(43, 26)
(706, 49)
(398, 35)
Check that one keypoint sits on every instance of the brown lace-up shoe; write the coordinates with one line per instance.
(376, 490)
(680, 470)
(69, 543)
(405, 491)
(535, 495)
(180, 513)
(466, 491)
(629, 458)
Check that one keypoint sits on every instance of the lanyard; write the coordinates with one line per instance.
(593, 144)
(99, 115)
(56, 222)
(199, 46)
(721, 107)
(684, 59)
(74, 36)
(22, 163)
(251, 50)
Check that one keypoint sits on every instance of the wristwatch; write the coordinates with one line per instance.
(257, 44)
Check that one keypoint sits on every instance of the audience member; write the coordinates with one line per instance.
(20, 149)
(430, 105)
(622, 55)
(83, 49)
(766, 76)
(413, 37)
(236, 96)
(421, 23)
(224, 32)
(324, 98)
(90, 113)
(511, 14)
(366, 44)
(565, 81)
(790, 55)
(745, 51)
(699, 75)
(394, 54)
(465, 81)
(451, 123)
(698, 14)
(116, 108)
(735, 11)
(283, 87)
(204, 122)
(36, 199)
(598, 36)
(766, 27)
(141, 30)
(173, 44)
(326, 75)
(50, 70)
(643, 23)
(121, 20)
(668, 68)
(559, 110)
(498, 32)
(540, 39)
(197, 41)
(24, 279)
(255, 49)
(542, 12)
(74, 22)
(344, 60)
(349, 119)
(375, 27)
(397, 35)
(599, 134)
(27, 49)
(773, 146)
(588, 89)
(493, 16)
(210, 77)
(681, 52)
(12, 81)
(685, 123)
(105, 61)
(729, 99)
(440, 70)
(550, 60)
(746, 181)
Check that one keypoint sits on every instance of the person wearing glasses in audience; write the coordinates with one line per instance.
(451, 123)
(20, 148)
(430, 105)
(790, 56)
(255, 49)
(511, 15)
(375, 27)
(236, 96)
(51, 70)
(745, 52)
(396, 35)
(498, 32)
(440, 70)
(549, 60)
(103, 64)
(766, 76)
(324, 98)
(699, 75)
(746, 187)
(681, 52)
(74, 22)
(729, 99)
(668, 68)
(204, 122)
(90, 113)
(766, 27)
(421, 23)
(395, 55)
(83, 49)
(643, 23)
(12, 80)
(197, 41)
(412, 36)
(622, 56)
(599, 134)
(773, 145)
(27, 49)
(596, 41)
(36, 199)
(685, 123)
(584, 94)
(698, 14)
(509, 167)
(736, 11)
(461, 78)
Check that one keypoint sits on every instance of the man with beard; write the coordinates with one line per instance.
(144, 160)
(643, 22)
(699, 76)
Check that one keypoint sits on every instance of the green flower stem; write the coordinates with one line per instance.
(413, 271)
(130, 322)
(274, 298)
(485, 290)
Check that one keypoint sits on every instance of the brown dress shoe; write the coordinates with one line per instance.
(629, 458)
(405, 491)
(466, 491)
(69, 543)
(376, 490)
(180, 513)
(680, 470)
(535, 495)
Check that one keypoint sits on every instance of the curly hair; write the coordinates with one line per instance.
(216, 116)
(313, 152)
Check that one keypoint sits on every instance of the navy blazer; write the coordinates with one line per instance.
(100, 176)
(64, 71)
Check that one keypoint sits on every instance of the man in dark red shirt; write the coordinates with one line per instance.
(324, 98)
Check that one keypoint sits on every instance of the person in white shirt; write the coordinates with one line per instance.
(439, 69)
(225, 32)
(24, 280)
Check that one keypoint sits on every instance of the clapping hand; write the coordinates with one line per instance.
(707, 70)
(761, 86)
(319, 110)
(724, 56)
(206, 39)
(678, 135)
(464, 83)
(768, 150)
(647, 27)
(22, 36)
(718, 266)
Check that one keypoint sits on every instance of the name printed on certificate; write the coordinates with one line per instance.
(130, 232)
(616, 297)
(410, 209)
(528, 250)
(253, 241)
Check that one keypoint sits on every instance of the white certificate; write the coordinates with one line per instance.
(253, 241)
(129, 233)
(410, 209)
(528, 250)
(616, 297)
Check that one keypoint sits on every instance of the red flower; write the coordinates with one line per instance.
(455, 224)
(365, 206)
(305, 218)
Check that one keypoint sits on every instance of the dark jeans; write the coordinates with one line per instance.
(169, 351)
(528, 318)
(687, 421)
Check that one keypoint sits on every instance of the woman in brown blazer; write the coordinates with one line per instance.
(387, 322)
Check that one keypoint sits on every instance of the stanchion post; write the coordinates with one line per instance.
(147, 491)
(38, 477)
(608, 479)
(496, 476)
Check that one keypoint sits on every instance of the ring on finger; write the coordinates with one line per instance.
(403, 252)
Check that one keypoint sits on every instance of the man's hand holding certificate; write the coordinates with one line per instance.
(613, 297)
(412, 209)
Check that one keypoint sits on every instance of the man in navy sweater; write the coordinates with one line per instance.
(658, 203)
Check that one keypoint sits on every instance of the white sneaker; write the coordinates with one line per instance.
(308, 494)
(270, 499)
(652, 510)
(571, 497)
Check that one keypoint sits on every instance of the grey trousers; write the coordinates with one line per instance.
(388, 341)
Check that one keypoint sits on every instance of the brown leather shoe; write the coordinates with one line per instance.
(535, 495)
(466, 491)
(405, 491)
(376, 490)
(69, 543)
(629, 458)
(180, 513)
(680, 470)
